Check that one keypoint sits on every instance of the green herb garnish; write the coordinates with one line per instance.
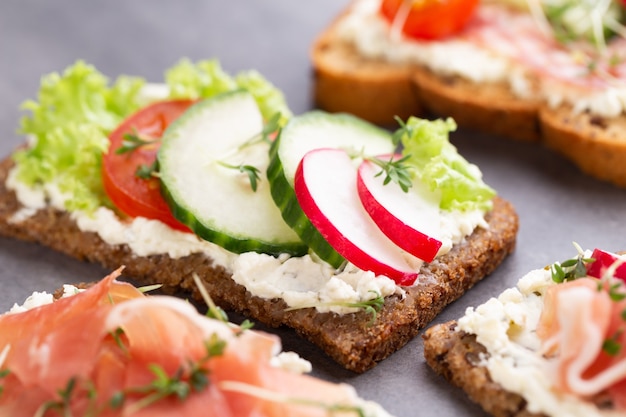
(395, 170)
(186, 380)
(570, 269)
(265, 394)
(62, 405)
(254, 174)
(146, 172)
(131, 142)
(371, 306)
(612, 346)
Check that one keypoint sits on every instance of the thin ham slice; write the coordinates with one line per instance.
(578, 318)
(111, 339)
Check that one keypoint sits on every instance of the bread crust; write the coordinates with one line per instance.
(351, 339)
(485, 107)
(345, 81)
(455, 355)
(597, 145)
(376, 90)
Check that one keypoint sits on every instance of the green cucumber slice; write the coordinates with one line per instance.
(303, 133)
(215, 201)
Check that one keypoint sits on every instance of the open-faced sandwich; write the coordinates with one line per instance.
(536, 70)
(553, 346)
(110, 350)
(309, 221)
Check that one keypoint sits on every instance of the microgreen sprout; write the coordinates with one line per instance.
(399, 133)
(213, 310)
(187, 379)
(265, 394)
(271, 127)
(612, 346)
(62, 405)
(254, 174)
(571, 269)
(117, 337)
(145, 172)
(3, 374)
(148, 288)
(371, 306)
(133, 141)
(395, 170)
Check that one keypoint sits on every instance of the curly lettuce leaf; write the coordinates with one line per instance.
(68, 127)
(203, 79)
(440, 167)
(206, 79)
(269, 98)
(75, 111)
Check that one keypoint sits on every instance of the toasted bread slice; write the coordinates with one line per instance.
(377, 90)
(484, 107)
(597, 145)
(345, 81)
(353, 340)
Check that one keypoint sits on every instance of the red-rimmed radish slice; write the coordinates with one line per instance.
(325, 185)
(410, 219)
(603, 260)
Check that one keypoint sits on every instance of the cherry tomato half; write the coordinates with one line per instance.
(431, 19)
(131, 194)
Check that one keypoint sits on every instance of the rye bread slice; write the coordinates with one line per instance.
(352, 340)
(455, 355)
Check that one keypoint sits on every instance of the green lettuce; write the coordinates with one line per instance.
(206, 79)
(75, 111)
(439, 165)
(68, 127)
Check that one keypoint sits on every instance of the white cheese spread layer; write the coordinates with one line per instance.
(371, 34)
(506, 327)
(300, 281)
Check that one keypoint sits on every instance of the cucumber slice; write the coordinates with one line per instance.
(314, 130)
(217, 202)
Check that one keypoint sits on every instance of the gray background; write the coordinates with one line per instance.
(557, 205)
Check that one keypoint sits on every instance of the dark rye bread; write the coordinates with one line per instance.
(455, 355)
(351, 340)
(377, 90)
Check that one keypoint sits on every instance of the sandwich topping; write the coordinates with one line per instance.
(151, 174)
(558, 338)
(139, 355)
(562, 52)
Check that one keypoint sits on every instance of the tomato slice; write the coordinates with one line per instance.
(131, 194)
(431, 19)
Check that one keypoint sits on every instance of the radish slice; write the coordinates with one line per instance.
(603, 260)
(410, 219)
(325, 185)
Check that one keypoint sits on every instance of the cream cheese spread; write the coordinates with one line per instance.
(300, 281)
(506, 327)
(374, 37)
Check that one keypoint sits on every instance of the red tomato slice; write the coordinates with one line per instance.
(131, 194)
(431, 19)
